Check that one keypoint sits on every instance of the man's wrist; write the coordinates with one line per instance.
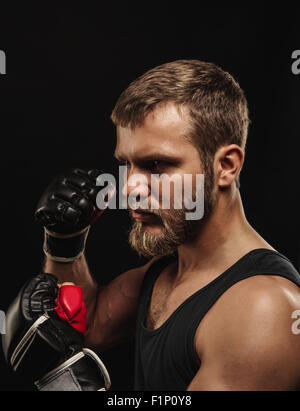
(63, 271)
(64, 248)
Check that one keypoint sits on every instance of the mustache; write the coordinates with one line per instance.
(156, 212)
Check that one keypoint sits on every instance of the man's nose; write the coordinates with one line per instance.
(136, 186)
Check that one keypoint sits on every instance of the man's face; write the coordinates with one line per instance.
(158, 147)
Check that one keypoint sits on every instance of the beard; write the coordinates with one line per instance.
(175, 229)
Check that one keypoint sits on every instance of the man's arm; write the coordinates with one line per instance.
(246, 341)
(111, 309)
(66, 210)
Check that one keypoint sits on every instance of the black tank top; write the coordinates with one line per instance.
(165, 358)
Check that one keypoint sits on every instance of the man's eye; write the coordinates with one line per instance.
(155, 164)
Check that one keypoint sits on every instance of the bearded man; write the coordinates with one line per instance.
(212, 309)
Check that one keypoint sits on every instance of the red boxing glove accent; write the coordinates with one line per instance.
(97, 214)
(71, 307)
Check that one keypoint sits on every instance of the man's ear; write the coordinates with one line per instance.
(228, 163)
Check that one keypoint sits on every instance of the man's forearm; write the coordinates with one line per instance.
(78, 273)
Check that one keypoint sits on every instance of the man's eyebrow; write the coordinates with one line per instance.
(158, 156)
(144, 158)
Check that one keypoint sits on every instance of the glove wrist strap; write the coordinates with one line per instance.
(64, 247)
(84, 371)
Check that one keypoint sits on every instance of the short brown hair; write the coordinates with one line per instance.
(217, 105)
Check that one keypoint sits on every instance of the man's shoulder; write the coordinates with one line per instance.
(260, 297)
(258, 309)
(252, 323)
(269, 290)
(273, 282)
(249, 334)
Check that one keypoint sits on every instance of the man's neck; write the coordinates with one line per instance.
(223, 238)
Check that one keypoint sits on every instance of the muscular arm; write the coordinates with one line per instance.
(67, 209)
(111, 309)
(246, 341)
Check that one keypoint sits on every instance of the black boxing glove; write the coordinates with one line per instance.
(44, 338)
(66, 210)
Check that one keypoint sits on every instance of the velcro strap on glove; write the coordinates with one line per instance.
(82, 372)
(64, 247)
(43, 341)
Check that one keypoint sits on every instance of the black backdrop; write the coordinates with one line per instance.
(67, 65)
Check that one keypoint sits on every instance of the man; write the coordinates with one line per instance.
(212, 309)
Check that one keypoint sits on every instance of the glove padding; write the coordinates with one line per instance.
(46, 349)
(68, 204)
(66, 210)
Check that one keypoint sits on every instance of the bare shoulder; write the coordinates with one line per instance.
(262, 295)
(252, 327)
(257, 302)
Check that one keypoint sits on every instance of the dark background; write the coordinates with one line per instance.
(66, 67)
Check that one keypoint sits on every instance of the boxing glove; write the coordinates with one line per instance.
(44, 338)
(66, 210)
(71, 307)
